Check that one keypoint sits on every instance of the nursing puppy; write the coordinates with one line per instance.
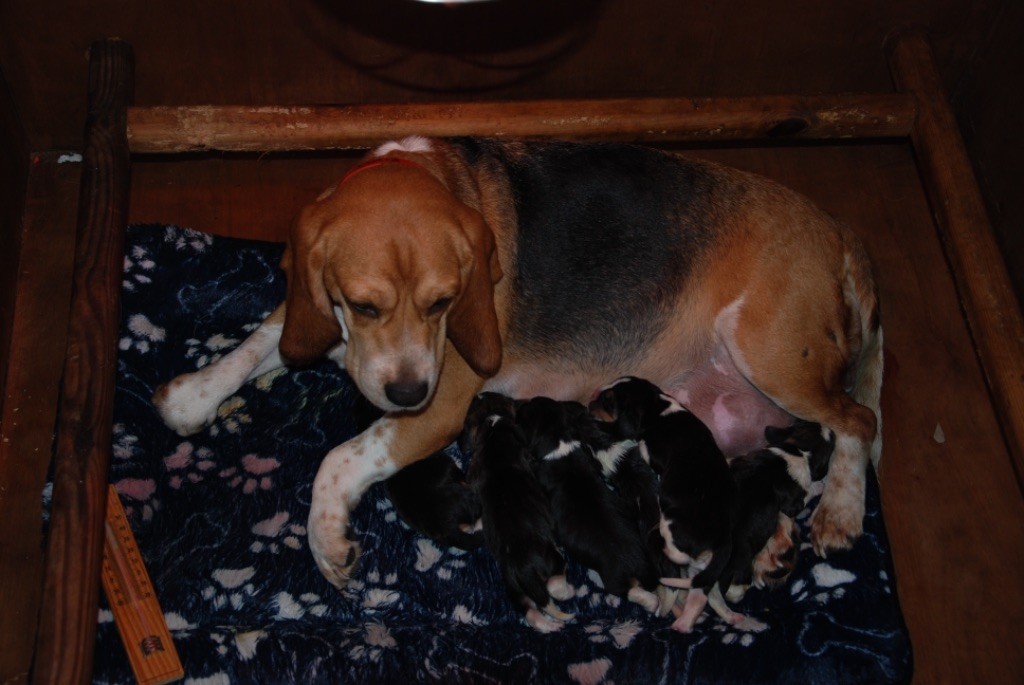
(432, 497)
(697, 494)
(636, 485)
(518, 527)
(772, 482)
(591, 523)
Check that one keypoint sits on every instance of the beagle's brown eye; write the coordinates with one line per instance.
(364, 309)
(439, 306)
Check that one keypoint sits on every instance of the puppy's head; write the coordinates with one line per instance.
(626, 405)
(543, 423)
(484, 410)
(807, 439)
(390, 264)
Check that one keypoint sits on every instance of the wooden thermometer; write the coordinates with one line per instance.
(134, 604)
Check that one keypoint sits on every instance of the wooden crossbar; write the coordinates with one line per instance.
(649, 120)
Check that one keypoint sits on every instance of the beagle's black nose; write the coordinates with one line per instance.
(406, 393)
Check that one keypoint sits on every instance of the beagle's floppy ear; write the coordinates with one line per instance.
(310, 328)
(473, 321)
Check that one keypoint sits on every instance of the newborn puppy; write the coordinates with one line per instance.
(432, 497)
(808, 439)
(518, 527)
(636, 485)
(774, 485)
(697, 494)
(592, 524)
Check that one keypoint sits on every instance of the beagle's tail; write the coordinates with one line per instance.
(864, 381)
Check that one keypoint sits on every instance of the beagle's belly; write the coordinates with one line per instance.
(734, 410)
(714, 390)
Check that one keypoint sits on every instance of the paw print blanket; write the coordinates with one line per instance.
(221, 521)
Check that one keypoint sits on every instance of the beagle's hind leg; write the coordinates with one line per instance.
(189, 402)
(798, 356)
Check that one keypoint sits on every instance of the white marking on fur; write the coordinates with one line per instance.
(725, 325)
(339, 314)
(407, 144)
(564, 449)
(673, 405)
(610, 458)
(617, 381)
(736, 592)
(645, 454)
(799, 470)
(675, 554)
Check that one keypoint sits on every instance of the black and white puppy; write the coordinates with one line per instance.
(774, 485)
(518, 527)
(593, 525)
(433, 498)
(697, 494)
(636, 485)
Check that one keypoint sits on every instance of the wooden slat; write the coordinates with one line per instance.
(67, 627)
(40, 321)
(652, 120)
(986, 293)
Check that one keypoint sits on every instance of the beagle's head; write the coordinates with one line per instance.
(390, 264)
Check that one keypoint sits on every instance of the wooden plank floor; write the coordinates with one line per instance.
(953, 506)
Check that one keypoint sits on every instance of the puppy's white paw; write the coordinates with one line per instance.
(560, 589)
(693, 607)
(334, 553)
(540, 622)
(185, 404)
(838, 520)
(666, 599)
(648, 600)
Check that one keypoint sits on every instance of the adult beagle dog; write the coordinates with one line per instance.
(438, 268)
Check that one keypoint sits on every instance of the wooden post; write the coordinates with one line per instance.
(67, 626)
(992, 311)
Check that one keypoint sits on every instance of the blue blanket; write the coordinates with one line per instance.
(220, 518)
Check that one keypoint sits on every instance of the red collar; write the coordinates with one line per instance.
(378, 161)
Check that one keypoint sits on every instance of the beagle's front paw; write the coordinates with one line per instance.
(187, 404)
(344, 475)
(839, 518)
(335, 554)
